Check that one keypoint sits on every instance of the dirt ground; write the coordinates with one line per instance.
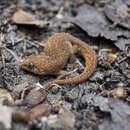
(100, 103)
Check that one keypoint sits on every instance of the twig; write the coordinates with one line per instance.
(122, 60)
(16, 57)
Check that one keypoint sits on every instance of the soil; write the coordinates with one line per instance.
(100, 103)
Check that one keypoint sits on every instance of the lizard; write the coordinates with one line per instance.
(58, 49)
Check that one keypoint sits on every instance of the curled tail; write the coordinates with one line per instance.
(89, 57)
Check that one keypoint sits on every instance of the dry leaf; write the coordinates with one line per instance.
(32, 114)
(22, 17)
(39, 111)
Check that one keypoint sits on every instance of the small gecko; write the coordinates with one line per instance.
(58, 49)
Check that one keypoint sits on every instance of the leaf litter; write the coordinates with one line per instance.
(93, 21)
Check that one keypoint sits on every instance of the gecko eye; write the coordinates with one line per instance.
(31, 65)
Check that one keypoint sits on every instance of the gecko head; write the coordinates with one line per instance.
(32, 64)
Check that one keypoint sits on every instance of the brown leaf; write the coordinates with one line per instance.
(32, 114)
(39, 111)
(22, 17)
(32, 99)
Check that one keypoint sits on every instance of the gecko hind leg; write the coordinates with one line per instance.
(72, 58)
(62, 73)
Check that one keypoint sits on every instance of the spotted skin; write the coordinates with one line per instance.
(58, 49)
